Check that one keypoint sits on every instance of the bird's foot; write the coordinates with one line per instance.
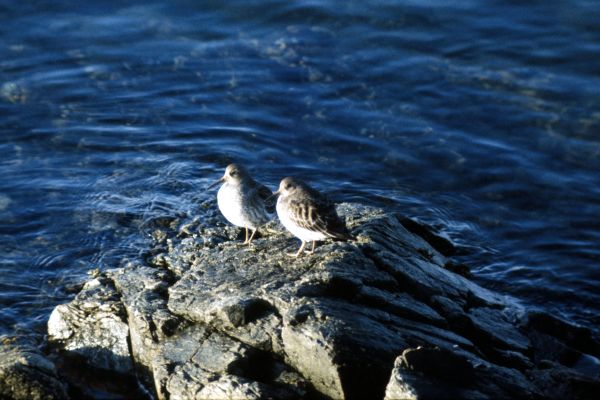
(300, 250)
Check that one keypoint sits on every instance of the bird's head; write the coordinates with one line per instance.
(233, 175)
(288, 186)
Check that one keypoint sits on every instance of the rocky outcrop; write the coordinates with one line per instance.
(381, 317)
(94, 327)
(25, 374)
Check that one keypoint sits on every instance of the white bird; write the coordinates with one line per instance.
(243, 201)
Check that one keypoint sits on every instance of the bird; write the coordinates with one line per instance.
(308, 214)
(243, 201)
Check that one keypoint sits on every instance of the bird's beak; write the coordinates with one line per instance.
(275, 194)
(215, 183)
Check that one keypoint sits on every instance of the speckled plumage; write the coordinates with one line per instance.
(307, 214)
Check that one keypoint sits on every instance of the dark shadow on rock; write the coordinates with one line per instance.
(25, 373)
(248, 310)
(443, 245)
(367, 378)
(458, 268)
(262, 366)
(575, 336)
(86, 381)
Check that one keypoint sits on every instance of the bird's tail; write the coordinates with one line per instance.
(342, 234)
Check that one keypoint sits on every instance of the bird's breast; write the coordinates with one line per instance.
(230, 204)
(284, 214)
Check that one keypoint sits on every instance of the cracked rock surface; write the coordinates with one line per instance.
(379, 317)
(25, 374)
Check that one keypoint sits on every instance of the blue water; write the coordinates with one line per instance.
(479, 118)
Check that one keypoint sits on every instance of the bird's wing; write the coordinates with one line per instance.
(267, 197)
(318, 214)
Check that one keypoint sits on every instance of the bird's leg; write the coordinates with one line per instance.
(246, 241)
(251, 236)
(312, 250)
(300, 250)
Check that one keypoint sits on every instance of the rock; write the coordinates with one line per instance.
(143, 292)
(575, 336)
(219, 367)
(560, 382)
(503, 335)
(441, 244)
(26, 374)
(379, 317)
(94, 326)
(435, 373)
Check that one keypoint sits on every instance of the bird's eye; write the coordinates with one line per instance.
(288, 186)
(233, 173)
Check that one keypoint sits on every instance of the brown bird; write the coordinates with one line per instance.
(307, 214)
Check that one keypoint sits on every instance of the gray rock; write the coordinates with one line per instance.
(26, 374)
(143, 292)
(201, 363)
(435, 373)
(321, 314)
(94, 326)
(377, 317)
